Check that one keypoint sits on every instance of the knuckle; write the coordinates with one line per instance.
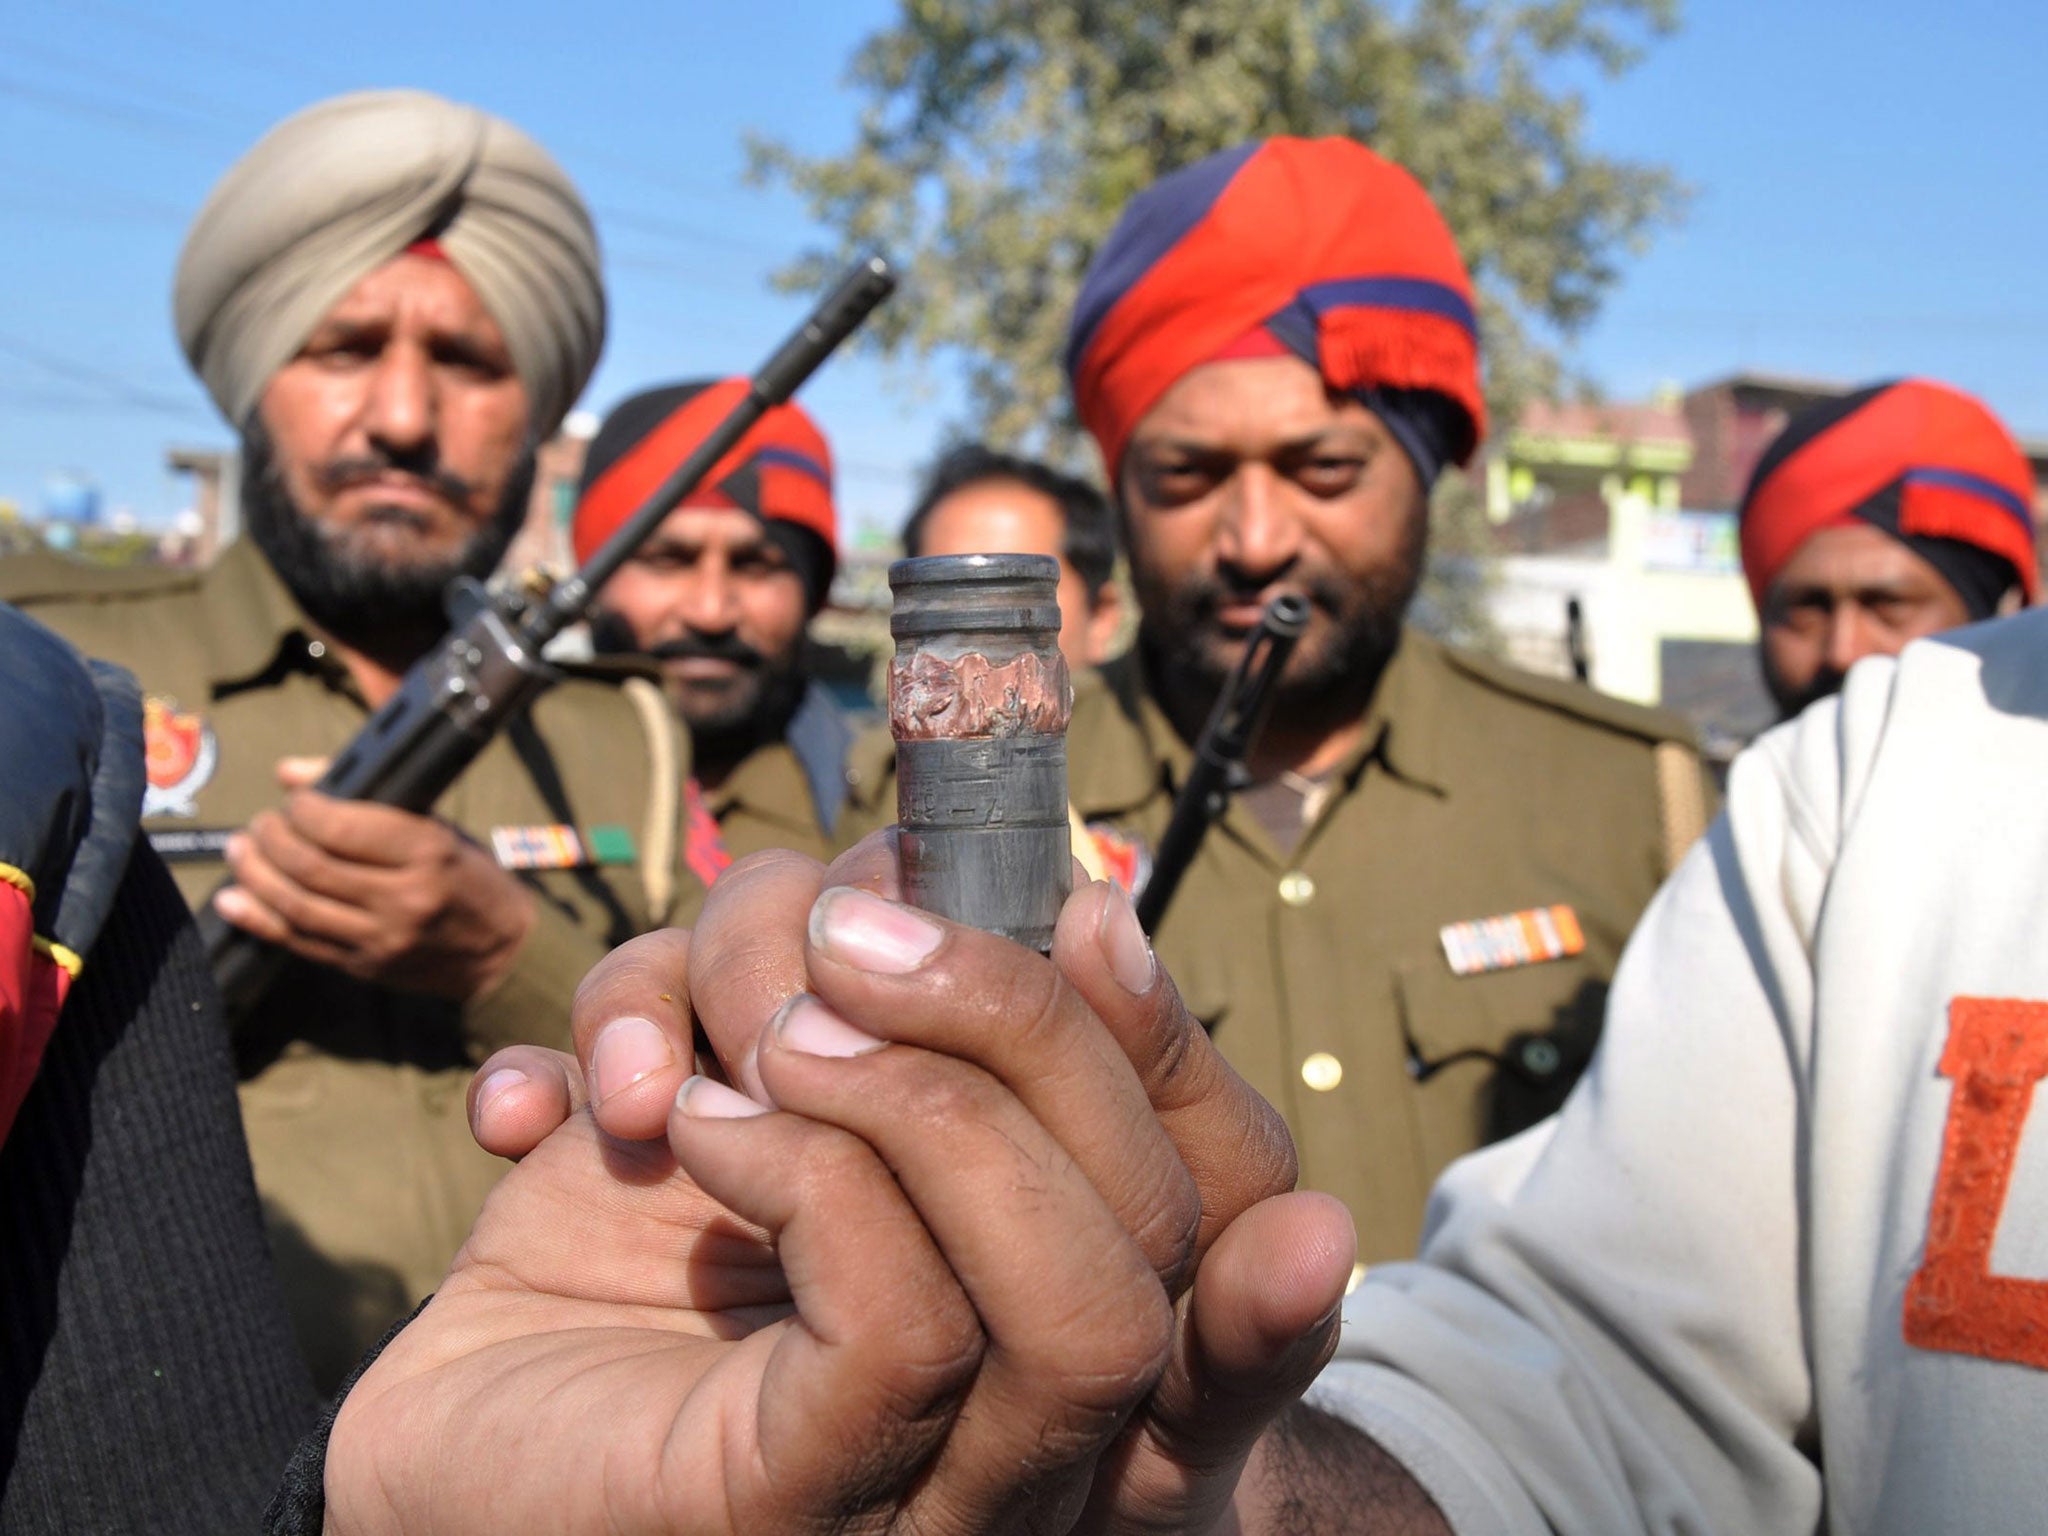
(1171, 1224)
(943, 1096)
(657, 962)
(937, 1354)
(1103, 1363)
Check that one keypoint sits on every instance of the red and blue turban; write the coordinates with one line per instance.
(1315, 248)
(780, 471)
(1925, 463)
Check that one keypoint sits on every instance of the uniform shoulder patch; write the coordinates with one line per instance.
(1576, 699)
(180, 755)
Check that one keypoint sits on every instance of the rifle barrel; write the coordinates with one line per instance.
(1233, 729)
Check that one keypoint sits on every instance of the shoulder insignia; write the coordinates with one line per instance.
(1513, 939)
(1639, 720)
(180, 756)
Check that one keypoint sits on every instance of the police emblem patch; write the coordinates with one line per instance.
(1514, 938)
(180, 754)
(1119, 858)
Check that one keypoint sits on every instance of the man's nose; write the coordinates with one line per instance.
(1851, 637)
(707, 601)
(1260, 535)
(399, 412)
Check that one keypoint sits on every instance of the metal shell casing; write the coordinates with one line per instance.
(979, 700)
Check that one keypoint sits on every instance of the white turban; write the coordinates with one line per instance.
(333, 192)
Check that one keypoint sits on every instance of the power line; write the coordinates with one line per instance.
(117, 389)
(73, 104)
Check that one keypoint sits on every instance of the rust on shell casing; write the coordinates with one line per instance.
(979, 700)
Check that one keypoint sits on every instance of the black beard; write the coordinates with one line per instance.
(1826, 681)
(363, 601)
(755, 710)
(1330, 679)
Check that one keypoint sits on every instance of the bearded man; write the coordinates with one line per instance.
(394, 298)
(1900, 510)
(719, 597)
(1402, 930)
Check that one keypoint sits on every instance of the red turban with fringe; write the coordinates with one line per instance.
(1336, 253)
(1918, 459)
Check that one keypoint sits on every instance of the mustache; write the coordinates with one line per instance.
(341, 474)
(1203, 597)
(728, 648)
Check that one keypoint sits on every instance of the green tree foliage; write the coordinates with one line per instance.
(1000, 139)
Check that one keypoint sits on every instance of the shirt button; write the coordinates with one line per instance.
(1322, 1071)
(1296, 889)
(315, 649)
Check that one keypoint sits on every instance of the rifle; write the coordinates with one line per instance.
(490, 667)
(1218, 771)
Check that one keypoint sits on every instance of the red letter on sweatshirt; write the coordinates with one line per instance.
(1997, 1051)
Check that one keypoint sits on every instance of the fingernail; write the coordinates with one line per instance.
(627, 1050)
(807, 1025)
(702, 1099)
(488, 1090)
(231, 903)
(871, 934)
(1124, 945)
(233, 848)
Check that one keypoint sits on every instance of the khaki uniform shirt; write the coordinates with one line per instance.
(353, 1096)
(765, 802)
(1476, 792)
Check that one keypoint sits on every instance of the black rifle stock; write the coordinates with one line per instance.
(489, 667)
(1234, 724)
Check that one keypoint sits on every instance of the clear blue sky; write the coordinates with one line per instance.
(1869, 177)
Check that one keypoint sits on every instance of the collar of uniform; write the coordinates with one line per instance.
(767, 782)
(252, 616)
(1403, 726)
(1134, 752)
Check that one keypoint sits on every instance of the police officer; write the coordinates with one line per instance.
(1900, 510)
(393, 297)
(719, 598)
(978, 501)
(1401, 932)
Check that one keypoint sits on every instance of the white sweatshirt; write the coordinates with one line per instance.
(1683, 1304)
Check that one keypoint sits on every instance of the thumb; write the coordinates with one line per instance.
(1259, 1324)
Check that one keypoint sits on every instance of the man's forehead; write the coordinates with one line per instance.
(1249, 401)
(1852, 555)
(1010, 500)
(701, 527)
